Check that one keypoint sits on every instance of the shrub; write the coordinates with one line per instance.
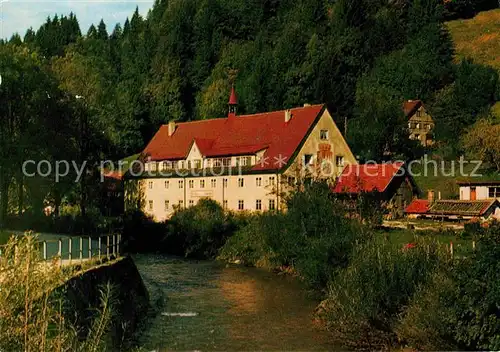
(142, 234)
(459, 308)
(366, 299)
(428, 322)
(199, 231)
(251, 244)
(313, 236)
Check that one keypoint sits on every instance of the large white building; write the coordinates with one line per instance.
(243, 162)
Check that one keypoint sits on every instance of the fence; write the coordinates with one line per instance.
(70, 250)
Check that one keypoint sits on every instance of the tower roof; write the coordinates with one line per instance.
(233, 99)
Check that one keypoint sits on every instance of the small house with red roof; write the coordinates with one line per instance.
(244, 162)
(454, 209)
(420, 123)
(389, 183)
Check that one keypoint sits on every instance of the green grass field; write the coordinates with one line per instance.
(478, 37)
(400, 237)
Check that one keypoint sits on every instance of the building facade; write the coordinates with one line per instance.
(245, 163)
(420, 123)
(390, 184)
(479, 190)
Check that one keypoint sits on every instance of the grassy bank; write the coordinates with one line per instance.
(32, 315)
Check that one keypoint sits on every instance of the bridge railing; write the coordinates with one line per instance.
(71, 250)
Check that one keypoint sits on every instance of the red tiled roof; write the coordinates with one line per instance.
(451, 207)
(233, 99)
(366, 178)
(462, 207)
(411, 106)
(237, 135)
(418, 206)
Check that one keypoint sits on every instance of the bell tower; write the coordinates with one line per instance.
(233, 103)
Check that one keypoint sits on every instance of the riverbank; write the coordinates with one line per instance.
(234, 308)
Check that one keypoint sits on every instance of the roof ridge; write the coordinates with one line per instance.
(247, 115)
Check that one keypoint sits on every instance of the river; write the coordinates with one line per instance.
(226, 308)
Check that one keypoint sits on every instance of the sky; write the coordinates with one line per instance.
(19, 15)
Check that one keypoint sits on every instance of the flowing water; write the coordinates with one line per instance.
(212, 306)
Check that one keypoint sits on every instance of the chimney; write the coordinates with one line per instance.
(430, 196)
(288, 115)
(171, 128)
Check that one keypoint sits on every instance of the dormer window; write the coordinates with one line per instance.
(194, 164)
(243, 161)
(153, 166)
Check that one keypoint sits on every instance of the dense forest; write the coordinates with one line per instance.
(68, 95)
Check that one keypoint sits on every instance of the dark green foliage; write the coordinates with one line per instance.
(141, 234)
(199, 231)
(463, 102)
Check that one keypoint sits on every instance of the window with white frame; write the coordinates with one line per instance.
(258, 181)
(213, 183)
(191, 202)
(153, 166)
(272, 204)
(196, 164)
(241, 182)
(181, 184)
(181, 203)
(224, 203)
(165, 165)
(150, 183)
(167, 184)
(241, 204)
(150, 205)
(167, 205)
(493, 192)
(258, 204)
(243, 161)
(191, 183)
(272, 181)
(224, 182)
(202, 183)
(323, 135)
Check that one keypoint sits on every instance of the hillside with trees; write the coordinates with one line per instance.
(103, 92)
